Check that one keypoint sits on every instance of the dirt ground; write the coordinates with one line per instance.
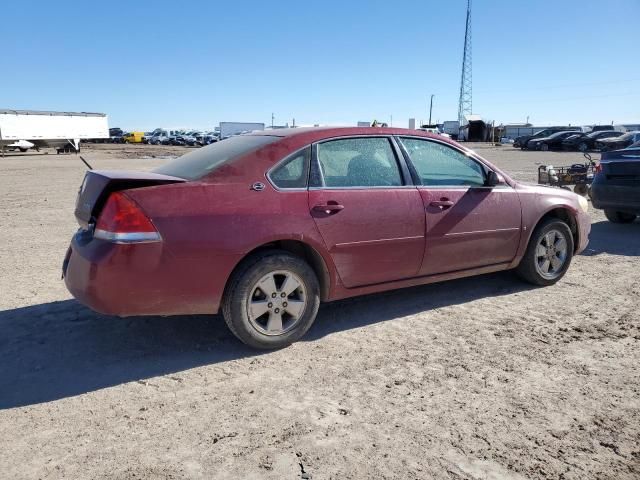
(481, 378)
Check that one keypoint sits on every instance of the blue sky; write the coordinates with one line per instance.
(194, 64)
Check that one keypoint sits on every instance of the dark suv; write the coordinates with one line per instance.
(521, 141)
(616, 185)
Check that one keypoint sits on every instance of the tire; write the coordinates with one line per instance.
(24, 150)
(544, 147)
(581, 189)
(619, 217)
(274, 269)
(583, 147)
(532, 265)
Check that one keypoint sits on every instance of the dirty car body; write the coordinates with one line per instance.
(365, 209)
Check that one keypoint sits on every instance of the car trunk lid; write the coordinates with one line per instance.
(98, 184)
(624, 170)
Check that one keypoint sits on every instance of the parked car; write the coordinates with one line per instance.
(552, 142)
(133, 137)
(618, 143)
(265, 226)
(115, 135)
(522, 141)
(601, 128)
(587, 141)
(616, 185)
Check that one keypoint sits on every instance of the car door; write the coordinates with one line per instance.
(468, 224)
(369, 214)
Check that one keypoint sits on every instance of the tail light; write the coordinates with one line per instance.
(598, 168)
(123, 221)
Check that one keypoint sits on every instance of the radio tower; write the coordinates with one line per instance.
(464, 105)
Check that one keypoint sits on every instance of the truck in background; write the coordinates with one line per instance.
(451, 128)
(61, 130)
(228, 129)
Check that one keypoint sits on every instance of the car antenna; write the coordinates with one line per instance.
(86, 163)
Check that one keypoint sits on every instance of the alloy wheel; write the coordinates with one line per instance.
(551, 254)
(277, 302)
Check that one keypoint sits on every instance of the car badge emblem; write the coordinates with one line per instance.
(258, 186)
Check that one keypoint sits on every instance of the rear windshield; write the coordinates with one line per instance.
(200, 162)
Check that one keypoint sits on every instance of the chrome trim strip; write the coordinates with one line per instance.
(505, 187)
(512, 229)
(382, 240)
(400, 187)
(129, 237)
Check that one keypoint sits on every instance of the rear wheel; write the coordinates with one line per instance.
(583, 147)
(544, 147)
(548, 254)
(271, 300)
(619, 217)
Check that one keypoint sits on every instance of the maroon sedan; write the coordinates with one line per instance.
(266, 226)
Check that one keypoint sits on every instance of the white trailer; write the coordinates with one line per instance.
(62, 130)
(227, 129)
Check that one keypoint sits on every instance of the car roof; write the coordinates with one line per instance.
(317, 133)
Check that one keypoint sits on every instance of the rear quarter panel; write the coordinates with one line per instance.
(208, 228)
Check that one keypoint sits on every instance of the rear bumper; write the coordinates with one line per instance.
(143, 278)
(615, 197)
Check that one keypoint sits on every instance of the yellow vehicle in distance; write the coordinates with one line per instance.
(133, 137)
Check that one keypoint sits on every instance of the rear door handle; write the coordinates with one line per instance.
(443, 203)
(329, 208)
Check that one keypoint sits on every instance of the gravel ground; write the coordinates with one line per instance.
(481, 378)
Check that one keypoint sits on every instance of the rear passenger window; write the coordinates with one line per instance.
(293, 172)
(438, 164)
(359, 162)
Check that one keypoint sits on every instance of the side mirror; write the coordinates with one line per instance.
(494, 179)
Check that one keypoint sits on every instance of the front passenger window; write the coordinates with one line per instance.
(438, 164)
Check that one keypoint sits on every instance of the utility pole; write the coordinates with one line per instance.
(465, 102)
(272, 119)
(430, 108)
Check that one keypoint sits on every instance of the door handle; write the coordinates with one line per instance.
(443, 203)
(328, 208)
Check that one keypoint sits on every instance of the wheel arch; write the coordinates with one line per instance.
(565, 214)
(300, 249)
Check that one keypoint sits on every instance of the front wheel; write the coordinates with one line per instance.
(544, 147)
(619, 217)
(583, 147)
(271, 300)
(548, 254)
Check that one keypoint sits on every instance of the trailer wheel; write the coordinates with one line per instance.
(581, 189)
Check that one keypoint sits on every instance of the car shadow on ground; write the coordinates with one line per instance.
(614, 239)
(61, 349)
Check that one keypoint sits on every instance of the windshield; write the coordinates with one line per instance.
(200, 162)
